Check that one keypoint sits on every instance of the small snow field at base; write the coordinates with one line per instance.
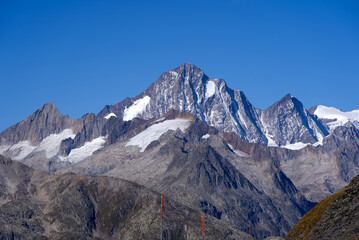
(271, 142)
(295, 146)
(340, 118)
(155, 131)
(237, 152)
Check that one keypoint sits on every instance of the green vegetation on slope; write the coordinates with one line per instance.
(305, 225)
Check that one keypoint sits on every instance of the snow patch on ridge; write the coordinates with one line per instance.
(206, 136)
(340, 118)
(108, 116)
(78, 154)
(155, 131)
(136, 108)
(210, 89)
(237, 152)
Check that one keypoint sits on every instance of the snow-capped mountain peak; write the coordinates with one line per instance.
(335, 117)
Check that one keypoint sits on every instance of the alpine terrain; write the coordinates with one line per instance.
(192, 138)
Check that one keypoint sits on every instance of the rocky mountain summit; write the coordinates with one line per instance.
(203, 145)
(188, 89)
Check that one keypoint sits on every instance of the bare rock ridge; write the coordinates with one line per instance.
(287, 121)
(185, 89)
(35, 205)
(188, 89)
(45, 121)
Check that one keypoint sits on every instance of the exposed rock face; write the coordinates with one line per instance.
(199, 169)
(45, 121)
(321, 171)
(335, 217)
(188, 89)
(35, 205)
(287, 121)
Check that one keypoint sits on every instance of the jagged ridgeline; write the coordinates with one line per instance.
(203, 145)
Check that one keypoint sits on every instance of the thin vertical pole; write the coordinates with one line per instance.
(250, 234)
(267, 236)
(161, 213)
(202, 228)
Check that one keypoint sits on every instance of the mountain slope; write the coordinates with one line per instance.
(335, 217)
(35, 205)
(196, 167)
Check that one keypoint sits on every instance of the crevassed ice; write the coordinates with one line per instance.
(108, 116)
(25, 149)
(210, 89)
(78, 154)
(136, 108)
(51, 144)
(154, 132)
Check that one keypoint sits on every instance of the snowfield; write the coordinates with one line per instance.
(51, 144)
(340, 118)
(136, 108)
(78, 154)
(295, 146)
(154, 132)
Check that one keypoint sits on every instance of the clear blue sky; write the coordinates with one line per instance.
(85, 54)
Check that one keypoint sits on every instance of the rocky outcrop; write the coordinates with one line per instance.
(35, 205)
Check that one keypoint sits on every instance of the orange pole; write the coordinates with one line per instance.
(161, 213)
(250, 232)
(202, 225)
